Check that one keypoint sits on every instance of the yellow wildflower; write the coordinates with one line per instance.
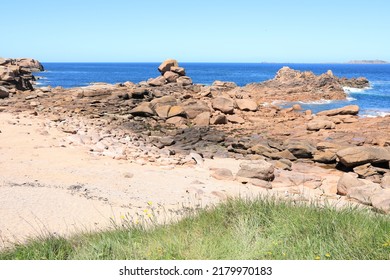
(327, 255)
(317, 258)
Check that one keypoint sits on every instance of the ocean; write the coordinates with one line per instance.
(373, 101)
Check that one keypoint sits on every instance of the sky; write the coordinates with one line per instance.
(196, 31)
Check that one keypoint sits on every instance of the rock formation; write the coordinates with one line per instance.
(169, 120)
(16, 74)
(293, 85)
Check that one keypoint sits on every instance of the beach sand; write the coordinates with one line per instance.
(46, 188)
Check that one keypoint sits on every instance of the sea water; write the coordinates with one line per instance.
(373, 101)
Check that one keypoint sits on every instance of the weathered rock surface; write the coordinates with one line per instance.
(16, 74)
(223, 104)
(364, 193)
(162, 124)
(318, 124)
(300, 148)
(355, 156)
(347, 110)
(246, 105)
(380, 200)
(222, 174)
(259, 169)
(293, 85)
(347, 182)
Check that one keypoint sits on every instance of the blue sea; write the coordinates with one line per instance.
(373, 101)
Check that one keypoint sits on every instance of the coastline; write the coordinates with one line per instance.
(88, 155)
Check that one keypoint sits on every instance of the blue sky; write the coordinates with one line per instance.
(196, 31)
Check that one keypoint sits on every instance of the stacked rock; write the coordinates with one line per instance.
(16, 74)
(171, 73)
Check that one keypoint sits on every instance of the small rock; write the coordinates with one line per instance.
(222, 174)
(128, 175)
(197, 157)
(297, 107)
(235, 119)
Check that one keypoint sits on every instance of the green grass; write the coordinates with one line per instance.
(237, 229)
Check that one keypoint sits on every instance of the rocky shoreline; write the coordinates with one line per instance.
(169, 121)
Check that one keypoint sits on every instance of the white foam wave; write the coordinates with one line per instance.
(351, 98)
(318, 102)
(374, 114)
(348, 90)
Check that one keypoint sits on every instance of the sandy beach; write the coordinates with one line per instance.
(49, 189)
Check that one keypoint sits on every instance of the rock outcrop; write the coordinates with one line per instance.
(293, 85)
(171, 121)
(171, 73)
(16, 74)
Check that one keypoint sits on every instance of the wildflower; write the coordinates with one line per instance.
(122, 217)
(327, 255)
(387, 244)
(317, 258)
(149, 215)
(150, 203)
(145, 211)
(136, 222)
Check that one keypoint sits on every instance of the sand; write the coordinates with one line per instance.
(46, 188)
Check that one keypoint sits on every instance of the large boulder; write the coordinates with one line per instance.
(223, 104)
(163, 101)
(318, 124)
(246, 104)
(170, 76)
(381, 201)
(354, 156)
(30, 64)
(4, 93)
(300, 148)
(348, 181)
(364, 194)
(144, 110)
(167, 65)
(184, 81)
(259, 169)
(203, 119)
(385, 183)
(194, 107)
(156, 82)
(6, 74)
(347, 110)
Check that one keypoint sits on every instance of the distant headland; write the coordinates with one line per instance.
(375, 61)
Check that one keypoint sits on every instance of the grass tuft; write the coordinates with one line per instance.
(237, 229)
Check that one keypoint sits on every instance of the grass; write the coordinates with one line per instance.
(237, 229)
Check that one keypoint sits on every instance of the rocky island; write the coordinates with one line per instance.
(234, 135)
(375, 61)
